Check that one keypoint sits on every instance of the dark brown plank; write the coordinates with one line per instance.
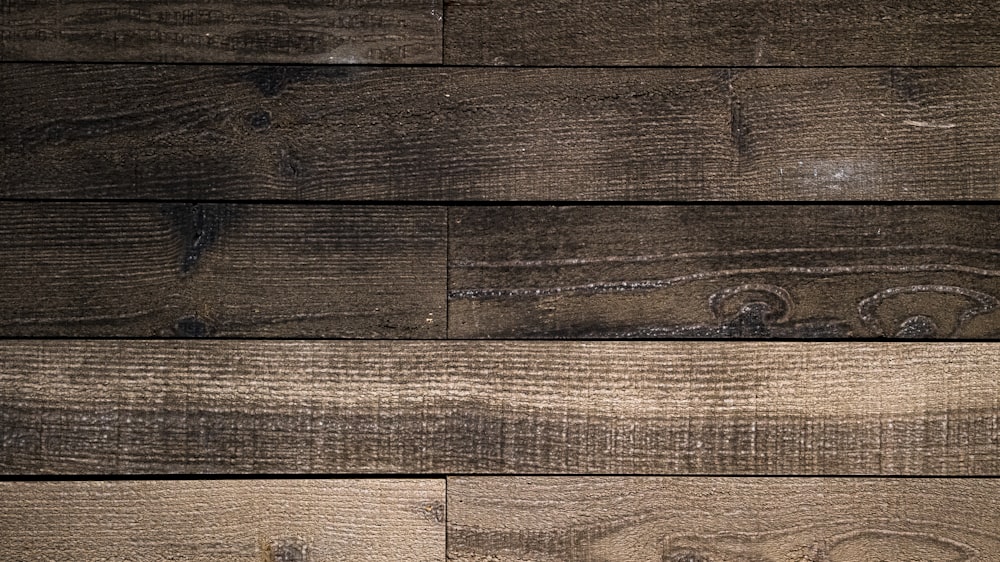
(785, 271)
(148, 269)
(721, 32)
(230, 406)
(236, 520)
(348, 133)
(255, 31)
(724, 519)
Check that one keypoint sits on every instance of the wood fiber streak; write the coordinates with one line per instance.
(721, 32)
(363, 133)
(777, 271)
(254, 31)
(132, 407)
(722, 519)
(239, 521)
(197, 270)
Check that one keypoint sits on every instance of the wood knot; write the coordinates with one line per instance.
(433, 510)
(260, 121)
(192, 327)
(287, 550)
(683, 555)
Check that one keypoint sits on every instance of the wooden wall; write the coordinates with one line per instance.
(470, 280)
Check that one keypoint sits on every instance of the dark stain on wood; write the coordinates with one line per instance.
(334, 133)
(307, 31)
(721, 33)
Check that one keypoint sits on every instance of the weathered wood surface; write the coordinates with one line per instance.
(235, 520)
(781, 271)
(128, 407)
(255, 31)
(721, 32)
(195, 270)
(353, 133)
(724, 519)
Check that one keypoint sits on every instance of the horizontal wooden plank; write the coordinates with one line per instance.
(196, 270)
(230, 406)
(733, 519)
(721, 32)
(254, 31)
(775, 271)
(350, 133)
(248, 520)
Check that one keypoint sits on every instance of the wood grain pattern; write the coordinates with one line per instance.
(255, 31)
(783, 271)
(196, 270)
(721, 32)
(235, 520)
(348, 133)
(722, 519)
(128, 407)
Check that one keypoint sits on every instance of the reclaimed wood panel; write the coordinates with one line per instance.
(694, 271)
(231, 406)
(721, 33)
(237, 520)
(196, 270)
(732, 519)
(255, 31)
(575, 134)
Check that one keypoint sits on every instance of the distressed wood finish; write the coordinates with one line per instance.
(785, 271)
(701, 519)
(255, 31)
(721, 32)
(235, 520)
(350, 133)
(127, 407)
(195, 270)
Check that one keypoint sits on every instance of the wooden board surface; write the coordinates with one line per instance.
(721, 32)
(196, 270)
(255, 31)
(786, 271)
(127, 407)
(722, 519)
(577, 134)
(235, 520)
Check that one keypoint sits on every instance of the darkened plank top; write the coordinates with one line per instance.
(721, 32)
(725, 519)
(233, 520)
(171, 269)
(786, 271)
(127, 407)
(254, 31)
(349, 133)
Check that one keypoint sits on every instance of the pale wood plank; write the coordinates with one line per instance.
(235, 520)
(124, 407)
(726, 519)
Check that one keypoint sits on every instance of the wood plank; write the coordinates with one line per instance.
(237, 520)
(255, 31)
(693, 271)
(231, 406)
(731, 519)
(721, 33)
(350, 133)
(197, 270)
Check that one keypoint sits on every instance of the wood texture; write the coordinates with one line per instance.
(721, 32)
(239, 521)
(128, 407)
(195, 270)
(783, 271)
(722, 519)
(343, 133)
(255, 31)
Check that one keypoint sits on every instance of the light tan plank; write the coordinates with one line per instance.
(70, 407)
(722, 519)
(234, 520)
